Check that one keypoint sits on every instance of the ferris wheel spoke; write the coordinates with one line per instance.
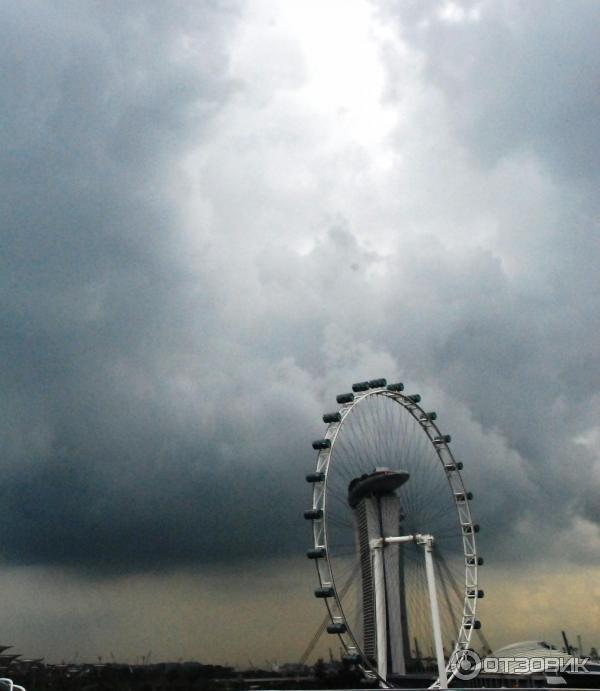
(340, 523)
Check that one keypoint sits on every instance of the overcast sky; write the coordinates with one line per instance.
(218, 215)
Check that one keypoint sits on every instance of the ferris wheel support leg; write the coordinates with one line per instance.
(380, 613)
(435, 615)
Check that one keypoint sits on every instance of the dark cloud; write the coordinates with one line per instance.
(147, 519)
(100, 103)
(515, 340)
(162, 384)
(518, 76)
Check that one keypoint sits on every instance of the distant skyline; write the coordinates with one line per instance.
(218, 215)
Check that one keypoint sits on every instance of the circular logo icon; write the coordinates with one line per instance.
(466, 665)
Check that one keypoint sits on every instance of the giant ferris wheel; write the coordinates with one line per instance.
(394, 539)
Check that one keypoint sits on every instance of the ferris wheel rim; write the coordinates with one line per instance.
(324, 566)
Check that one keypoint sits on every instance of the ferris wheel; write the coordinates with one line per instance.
(394, 539)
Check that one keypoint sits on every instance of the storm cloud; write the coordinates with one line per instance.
(218, 215)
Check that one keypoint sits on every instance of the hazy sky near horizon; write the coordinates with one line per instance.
(218, 215)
